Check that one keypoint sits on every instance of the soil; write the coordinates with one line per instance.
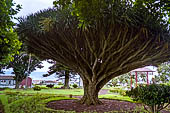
(107, 106)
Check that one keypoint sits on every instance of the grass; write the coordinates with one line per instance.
(4, 100)
(116, 97)
(32, 104)
(49, 91)
(44, 86)
(25, 101)
(35, 104)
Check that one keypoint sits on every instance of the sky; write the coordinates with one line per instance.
(32, 6)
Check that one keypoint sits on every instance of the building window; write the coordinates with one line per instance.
(14, 82)
(9, 82)
(3, 80)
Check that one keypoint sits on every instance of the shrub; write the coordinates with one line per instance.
(60, 83)
(75, 85)
(22, 87)
(43, 87)
(50, 85)
(122, 92)
(155, 96)
(114, 90)
(109, 85)
(118, 90)
(37, 88)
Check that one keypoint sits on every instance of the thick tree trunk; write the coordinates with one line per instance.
(66, 83)
(90, 95)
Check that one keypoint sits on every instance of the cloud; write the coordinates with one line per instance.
(45, 68)
(32, 6)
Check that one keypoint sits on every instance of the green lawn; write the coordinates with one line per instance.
(29, 104)
(4, 100)
(48, 91)
(22, 101)
(116, 97)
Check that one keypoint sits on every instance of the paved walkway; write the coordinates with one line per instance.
(101, 92)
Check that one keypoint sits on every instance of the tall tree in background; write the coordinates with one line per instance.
(60, 71)
(9, 43)
(99, 39)
(164, 72)
(23, 65)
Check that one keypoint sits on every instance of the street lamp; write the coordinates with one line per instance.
(27, 73)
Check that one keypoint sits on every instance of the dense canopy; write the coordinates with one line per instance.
(9, 43)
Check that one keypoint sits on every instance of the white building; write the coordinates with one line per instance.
(7, 81)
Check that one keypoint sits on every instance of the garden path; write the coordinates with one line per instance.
(101, 92)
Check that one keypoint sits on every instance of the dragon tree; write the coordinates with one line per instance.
(99, 40)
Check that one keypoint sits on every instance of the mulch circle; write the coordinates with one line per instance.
(108, 105)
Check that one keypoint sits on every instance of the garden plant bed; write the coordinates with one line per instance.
(1, 108)
(107, 106)
(1, 89)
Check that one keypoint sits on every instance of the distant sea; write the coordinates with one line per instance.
(36, 75)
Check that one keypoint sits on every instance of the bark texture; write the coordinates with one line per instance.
(66, 82)
(90, 96)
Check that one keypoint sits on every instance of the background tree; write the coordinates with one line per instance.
(157, 79)
(2, 67)
(119, 36)
(143, 77)
(123, 79)
(60, 71)
(114, 82)
(9, 43)
(22, 66)
(164, 72)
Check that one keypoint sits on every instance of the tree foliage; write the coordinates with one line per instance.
(164, 72)
(60, 71)
(126, 35)
(156, 97)
(9, 43)
(23, 65)
(91, 11)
